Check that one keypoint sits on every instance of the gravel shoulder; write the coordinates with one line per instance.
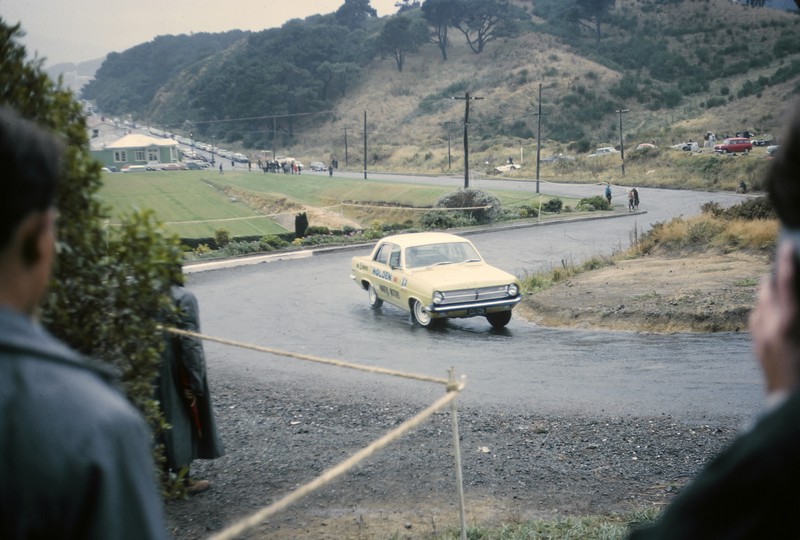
(516, 467)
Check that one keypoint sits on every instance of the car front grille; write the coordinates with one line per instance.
(463, 296)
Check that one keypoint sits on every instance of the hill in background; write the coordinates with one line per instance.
(680, 67)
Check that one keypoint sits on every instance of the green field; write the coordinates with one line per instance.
(192, 204)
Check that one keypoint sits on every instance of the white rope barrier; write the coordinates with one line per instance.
(331, 474)
(310, 358)
(453, 389)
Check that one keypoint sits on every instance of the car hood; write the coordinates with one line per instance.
(462, 276)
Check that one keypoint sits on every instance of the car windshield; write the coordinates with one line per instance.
(445, 253)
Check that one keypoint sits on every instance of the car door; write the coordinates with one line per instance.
(387, 273)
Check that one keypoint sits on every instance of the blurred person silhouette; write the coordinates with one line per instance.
(77, 457)
(750, 490)
(183, 393)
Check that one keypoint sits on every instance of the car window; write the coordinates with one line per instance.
(394, 257)
(382, 255)
(436, 254)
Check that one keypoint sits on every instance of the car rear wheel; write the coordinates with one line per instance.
(374, 301)
(499, 320)
(420, 316)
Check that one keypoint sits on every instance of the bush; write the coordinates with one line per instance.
(482, 206)
(553, 206)
(222, 237)
(316, 230)
(528, 211)
(438, 219)
(109, 290)
(748, 210)
(273, 241)
(202, 249)
(300, 225)
(592, 204)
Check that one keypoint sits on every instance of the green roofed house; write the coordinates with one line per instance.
(136, 149)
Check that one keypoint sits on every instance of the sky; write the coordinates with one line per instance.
(80, 30)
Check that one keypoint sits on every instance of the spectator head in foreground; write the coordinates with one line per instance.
(30, 158)
(749, 490)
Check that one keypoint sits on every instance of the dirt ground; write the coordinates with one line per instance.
(699, 292)
(517, 466)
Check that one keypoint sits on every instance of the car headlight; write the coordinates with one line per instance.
(438, 297)
(513, 290)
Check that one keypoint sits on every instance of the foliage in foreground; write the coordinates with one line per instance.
(107, 293)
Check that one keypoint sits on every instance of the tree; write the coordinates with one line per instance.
(591, 13)
(482, 21)
(406, 5)
(354, 13)
(108, 292)
(440, 15)
(400, 36)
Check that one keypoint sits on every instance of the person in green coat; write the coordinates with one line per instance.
(752, 489)
(183, 393)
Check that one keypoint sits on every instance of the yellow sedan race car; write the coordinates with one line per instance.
(436, 276)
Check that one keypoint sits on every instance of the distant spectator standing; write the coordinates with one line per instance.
(183, 393)
(77, 456)
(608, 193)
(220, 168)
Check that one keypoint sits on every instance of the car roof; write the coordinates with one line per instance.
(421, 239)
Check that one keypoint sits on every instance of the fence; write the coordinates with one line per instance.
(453, 388)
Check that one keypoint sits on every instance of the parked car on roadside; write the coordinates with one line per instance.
(733, 145)
(173, 167)
(604, 151)
(134, 168)
(436, 276)
(689, 146)
(318, 166)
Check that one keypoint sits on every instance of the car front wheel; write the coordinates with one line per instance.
(374, 301)
(420, 316)
(499, 320)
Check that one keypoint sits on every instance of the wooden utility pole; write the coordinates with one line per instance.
(467, 98)
(365, 145)
(621, 147)
(539, 137)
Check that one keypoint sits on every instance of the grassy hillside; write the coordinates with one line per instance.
(408, 113)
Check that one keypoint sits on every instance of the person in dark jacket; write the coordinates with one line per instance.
(76, 455)
(750, 490)
(182, 391)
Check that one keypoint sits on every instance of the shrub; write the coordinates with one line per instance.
(273, 241)
(553, 206)
(300, 225)
(482, 206)
(202, 249)
(592, 204)
(438, 219)
(528, 211)
(109, 289)
(317, 230)
(748, 210)
(222, 237)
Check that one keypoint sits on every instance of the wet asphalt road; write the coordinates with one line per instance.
(311, 306)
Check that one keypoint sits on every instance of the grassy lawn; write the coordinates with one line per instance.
(194, 204)
(185, 200)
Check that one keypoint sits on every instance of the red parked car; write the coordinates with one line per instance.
(734, 144)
